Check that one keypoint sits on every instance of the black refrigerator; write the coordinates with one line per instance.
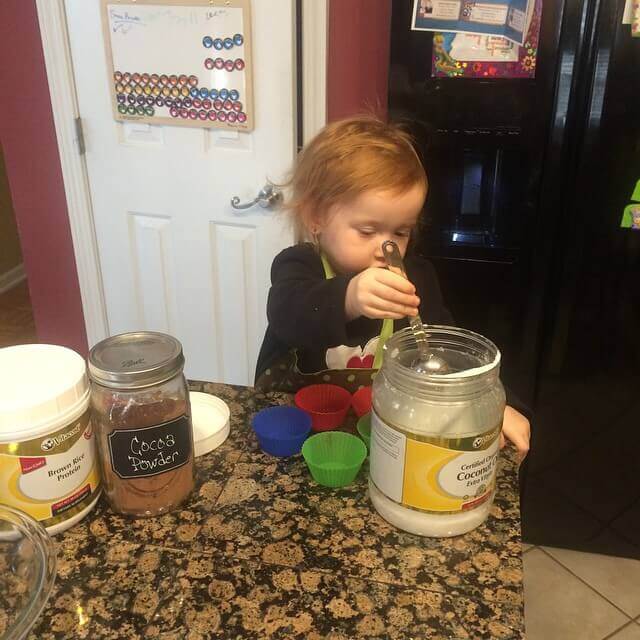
(529, 179)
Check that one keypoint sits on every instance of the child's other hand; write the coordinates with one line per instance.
(379, 293)
(515, 427)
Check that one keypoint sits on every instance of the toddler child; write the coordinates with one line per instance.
(332, 302)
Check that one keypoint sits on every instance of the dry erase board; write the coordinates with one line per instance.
(183, 62)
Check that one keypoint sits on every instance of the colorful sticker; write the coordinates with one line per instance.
(631, 213)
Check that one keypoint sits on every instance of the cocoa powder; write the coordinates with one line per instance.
(140, 435)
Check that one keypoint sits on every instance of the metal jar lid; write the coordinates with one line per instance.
(135, 360)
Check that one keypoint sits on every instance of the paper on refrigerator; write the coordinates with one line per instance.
(505, 18)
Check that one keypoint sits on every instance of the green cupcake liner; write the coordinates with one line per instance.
(364, 429)
(334, 457)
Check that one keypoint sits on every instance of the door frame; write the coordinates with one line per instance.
(59, 67)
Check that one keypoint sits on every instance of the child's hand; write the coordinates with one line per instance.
(379, 293)
(516, 428)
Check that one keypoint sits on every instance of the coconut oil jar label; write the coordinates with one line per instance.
(141, 453)
(434, 475)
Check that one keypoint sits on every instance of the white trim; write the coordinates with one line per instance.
(315, 20)
(55, 44)
(11, 278)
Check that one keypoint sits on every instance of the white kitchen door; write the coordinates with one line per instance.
(174, 255)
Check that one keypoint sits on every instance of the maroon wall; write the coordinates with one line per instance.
(28, 137)
(358, 57)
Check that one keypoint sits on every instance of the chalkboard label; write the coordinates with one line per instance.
(141, 453)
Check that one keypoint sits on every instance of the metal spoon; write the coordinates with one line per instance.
(426, 362)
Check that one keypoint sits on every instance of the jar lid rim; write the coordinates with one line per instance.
(436, 333)
(135, 359)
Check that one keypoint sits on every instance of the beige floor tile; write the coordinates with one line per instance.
(630, 632)
(558, 606)
(526, 547)
(617, 579)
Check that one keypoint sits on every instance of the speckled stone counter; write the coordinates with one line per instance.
(261, 551)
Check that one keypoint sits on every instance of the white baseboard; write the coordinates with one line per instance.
(11, 278)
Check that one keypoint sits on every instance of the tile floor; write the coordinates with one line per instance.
(582, 580)
(569, 595)
(583, 596)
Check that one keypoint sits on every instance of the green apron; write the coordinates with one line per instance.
(284, 374)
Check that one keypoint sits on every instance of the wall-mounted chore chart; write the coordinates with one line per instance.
(180, 62)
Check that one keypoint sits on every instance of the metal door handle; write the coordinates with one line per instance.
(268, 197)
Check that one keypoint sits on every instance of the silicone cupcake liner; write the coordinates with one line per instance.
(364, 429)
(361, 401)
(327, 404)
(281, 430)
(334, 458)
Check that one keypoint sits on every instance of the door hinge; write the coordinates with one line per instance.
(80, 136)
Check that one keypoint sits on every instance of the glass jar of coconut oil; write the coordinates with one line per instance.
(435, 437)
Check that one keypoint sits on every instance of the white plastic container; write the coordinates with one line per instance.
(48, 462)
(435, 437)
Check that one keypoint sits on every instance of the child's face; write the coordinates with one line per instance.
(352, 234)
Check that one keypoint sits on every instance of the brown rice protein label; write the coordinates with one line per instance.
(54, 476)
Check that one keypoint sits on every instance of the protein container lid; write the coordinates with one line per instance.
(39, 385)
(135, 360)
(210, 418)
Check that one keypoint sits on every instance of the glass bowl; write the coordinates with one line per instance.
(27, 572)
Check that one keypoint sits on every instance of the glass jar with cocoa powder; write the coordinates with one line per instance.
(140, 408)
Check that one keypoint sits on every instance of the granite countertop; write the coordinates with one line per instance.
(261, 551)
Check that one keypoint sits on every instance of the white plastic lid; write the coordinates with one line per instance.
(39, 385)
(210, 418)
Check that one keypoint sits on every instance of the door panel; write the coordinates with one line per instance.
(174, 255)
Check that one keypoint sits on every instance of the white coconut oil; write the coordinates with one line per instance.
(435, 438)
